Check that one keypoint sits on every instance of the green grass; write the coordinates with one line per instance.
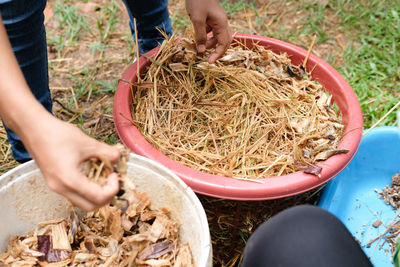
(72, 21)
(373, 59)
(179, 23)
(73, 25)
(97, 46)
(315, 23)
(107, 19)
(232, 8)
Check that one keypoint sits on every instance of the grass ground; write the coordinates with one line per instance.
(90, 46)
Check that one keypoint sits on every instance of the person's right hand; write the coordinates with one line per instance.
(59, 150)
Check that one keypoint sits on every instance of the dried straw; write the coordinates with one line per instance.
(251, 114)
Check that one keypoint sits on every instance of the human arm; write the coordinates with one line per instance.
(207, 16)
(58, 148)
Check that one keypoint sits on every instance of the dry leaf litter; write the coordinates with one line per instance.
(126, 232)
(391, 196)
(250, 114)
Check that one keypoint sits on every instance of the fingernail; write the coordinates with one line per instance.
(201, 48)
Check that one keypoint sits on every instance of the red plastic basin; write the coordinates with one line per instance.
(273, 187)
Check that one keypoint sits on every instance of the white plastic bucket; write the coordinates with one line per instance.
(25, 200)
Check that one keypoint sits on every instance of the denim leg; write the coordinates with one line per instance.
(150, 15)
(23, 20)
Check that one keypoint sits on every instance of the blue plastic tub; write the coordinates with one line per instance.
(352, 195)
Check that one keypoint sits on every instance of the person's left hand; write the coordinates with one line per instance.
(59, 149)
(207, 16)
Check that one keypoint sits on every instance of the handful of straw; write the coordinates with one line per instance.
(251, 114)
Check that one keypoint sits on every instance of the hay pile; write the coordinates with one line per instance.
(251, 114)
(124, 233)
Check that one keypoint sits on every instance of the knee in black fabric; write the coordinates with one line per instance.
(303, 236)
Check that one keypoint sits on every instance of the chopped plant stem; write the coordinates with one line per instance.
(74, 98)
(213, 138)
(125, 117)
(389, 228)
(137, 52)
(316, 64)
(251, 180)
(309, 51)
(272, 165)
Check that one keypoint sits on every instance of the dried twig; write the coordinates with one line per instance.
(381, 119)
(309, 51)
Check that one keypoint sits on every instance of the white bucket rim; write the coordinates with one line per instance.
(12, 175)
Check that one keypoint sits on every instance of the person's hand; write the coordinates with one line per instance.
(59, 150)
(207, 16)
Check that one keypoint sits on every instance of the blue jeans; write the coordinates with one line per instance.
(150, 15)
(23, 20)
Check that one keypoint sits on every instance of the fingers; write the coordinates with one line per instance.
(212, 42)
(200, 33)
(222, 39)
(60, 159)
(96, 194)
(207, 16)
(219, 51)
(75, 199)
(101, 150)
(88, 195)
(78, 201)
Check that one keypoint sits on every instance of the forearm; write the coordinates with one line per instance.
(19, 109)
(59, 148)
